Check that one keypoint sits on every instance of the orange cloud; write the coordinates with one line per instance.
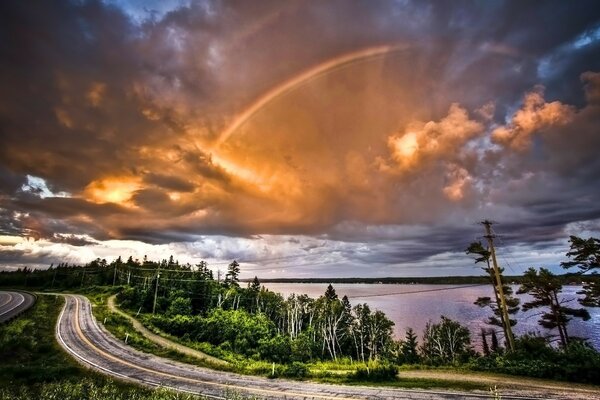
(423, 142)
(117, 190)
(459, 183)
(534, 115)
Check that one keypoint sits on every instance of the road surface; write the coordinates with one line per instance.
(14, 303)
(79, 333)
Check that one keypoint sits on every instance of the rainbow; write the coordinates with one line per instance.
(301, 79)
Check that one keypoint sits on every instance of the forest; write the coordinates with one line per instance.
(247, 322)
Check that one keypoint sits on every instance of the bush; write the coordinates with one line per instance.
(377, 373)
(535, 358)
(275, 349)
(296, 370)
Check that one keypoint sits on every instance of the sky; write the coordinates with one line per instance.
(303, 139)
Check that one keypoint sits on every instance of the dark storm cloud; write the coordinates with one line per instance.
(169, 182)
(111, 107)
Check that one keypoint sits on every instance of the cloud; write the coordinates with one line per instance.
(119, 110)
(534, 116)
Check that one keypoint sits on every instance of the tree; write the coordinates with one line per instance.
(585, 254)
(545, 287)
(254, 286)
(233, 272)
(408, 348)
(330, 314)
(371, 332)
(512, 303)
(445, 342)
(330, 293)
(180, 306)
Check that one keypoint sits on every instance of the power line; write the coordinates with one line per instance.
(417, 291)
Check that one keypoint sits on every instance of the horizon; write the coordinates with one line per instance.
(368, 146)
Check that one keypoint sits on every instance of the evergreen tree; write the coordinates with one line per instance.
(330, 293)
(233, 272)
(585, 254)
(254, 286)
(545, 287)
(408, 348)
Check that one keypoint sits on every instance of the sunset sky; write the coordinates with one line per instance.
(302, 138)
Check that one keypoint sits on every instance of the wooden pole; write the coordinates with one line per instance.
(508, 329)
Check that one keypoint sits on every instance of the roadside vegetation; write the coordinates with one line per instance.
(35, 367)
(329, 339)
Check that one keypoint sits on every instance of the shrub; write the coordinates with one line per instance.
(377, 373)
(296, 370)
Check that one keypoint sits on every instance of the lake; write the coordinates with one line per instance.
(409, 309)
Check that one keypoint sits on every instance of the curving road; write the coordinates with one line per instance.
(78, 332)
(14, 303)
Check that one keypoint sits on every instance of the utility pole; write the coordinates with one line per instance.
(219, 275)
(510, 339)
(82, 276)
(115, 275)
(156, 289)
(53, 278)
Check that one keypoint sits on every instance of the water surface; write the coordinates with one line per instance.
(414, 305)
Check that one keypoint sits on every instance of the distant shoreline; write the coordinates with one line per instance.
(566, 279)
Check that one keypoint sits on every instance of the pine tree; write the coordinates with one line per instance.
(233, 272)
(254, 286)
(409, 346)
(585, 254)
(330, 293)
(545, 287)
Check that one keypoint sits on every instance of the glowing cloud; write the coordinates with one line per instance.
(117, 190)
(535, 115)
(302, 79)
(423, 142)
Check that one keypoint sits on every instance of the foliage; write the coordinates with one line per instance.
(180, 306)
(408, 349)
(446, 342)
(296, 370)
(585, 254)
(376, 373)
(544, 288)
(534, 357)
(91, 389)
(233, 273)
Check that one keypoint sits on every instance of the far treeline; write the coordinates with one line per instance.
(255, 325)
(569, 278)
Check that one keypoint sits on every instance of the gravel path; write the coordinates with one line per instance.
(161, 341)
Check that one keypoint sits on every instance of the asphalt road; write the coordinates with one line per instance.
(14, 303)
(92, 345)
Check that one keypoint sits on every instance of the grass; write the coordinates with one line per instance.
(34, 366)
(404, 383)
